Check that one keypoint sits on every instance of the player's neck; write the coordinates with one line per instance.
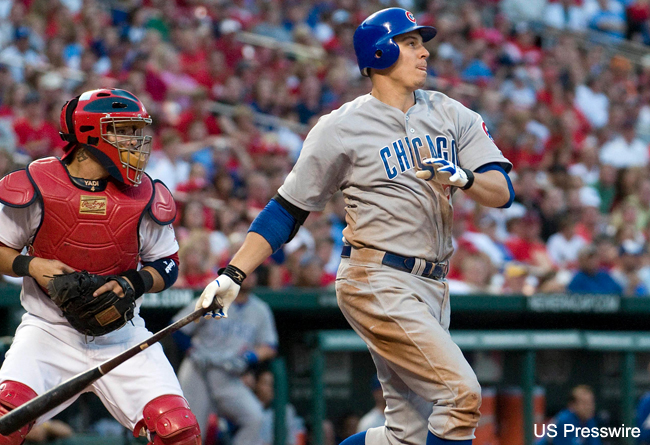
(84, 166)
(398, 98)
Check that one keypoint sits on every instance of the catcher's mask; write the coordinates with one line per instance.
(110, 124)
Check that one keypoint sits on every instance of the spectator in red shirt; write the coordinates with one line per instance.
(199, 110)
(324, 250)
(218, 73)
(310, 272)
(258, 191)
(151, 68)
(526, 244)
(193, 58)
(196, 261)
(227, 43)
(638, 13)
(36, 136)
(527, 153)
(176, 81)
(523, 48)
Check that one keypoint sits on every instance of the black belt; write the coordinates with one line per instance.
(416, 266)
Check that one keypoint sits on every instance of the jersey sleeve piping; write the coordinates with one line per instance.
(507, 166)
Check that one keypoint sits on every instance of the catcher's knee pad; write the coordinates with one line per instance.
(169, 421)
(12, 395)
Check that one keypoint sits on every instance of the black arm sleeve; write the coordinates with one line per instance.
(299, 214)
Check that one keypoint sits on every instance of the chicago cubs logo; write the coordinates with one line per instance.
(93, 205)
(403, 154)
(409, 15)
(486, 131)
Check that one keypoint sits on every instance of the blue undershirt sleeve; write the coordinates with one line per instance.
(496, 166)
(274, 224)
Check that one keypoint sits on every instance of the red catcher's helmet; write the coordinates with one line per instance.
(91, 119)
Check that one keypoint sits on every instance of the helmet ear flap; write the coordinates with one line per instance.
(386, 54)
(383, 54)
(70, 135)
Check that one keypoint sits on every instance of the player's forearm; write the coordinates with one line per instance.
(252, 253)
(7, 257)
(158, 282)
(265, 353)
(489, 189)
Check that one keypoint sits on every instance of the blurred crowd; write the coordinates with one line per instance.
(561, 99)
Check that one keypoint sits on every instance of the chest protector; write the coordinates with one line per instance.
(95, 231)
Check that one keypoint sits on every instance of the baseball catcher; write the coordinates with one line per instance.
(99, 235)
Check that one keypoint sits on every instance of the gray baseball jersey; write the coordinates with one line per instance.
(207, 386)
(371, 150)
(248, 325)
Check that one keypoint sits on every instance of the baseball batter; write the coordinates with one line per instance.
(93, 209)
(398, 154)
(211, 374)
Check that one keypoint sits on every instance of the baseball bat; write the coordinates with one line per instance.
(32, 410)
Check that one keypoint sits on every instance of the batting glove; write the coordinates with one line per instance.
(239, 364)
(225, 290)
(446, 173)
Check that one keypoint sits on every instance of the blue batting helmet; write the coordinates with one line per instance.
(373, 39)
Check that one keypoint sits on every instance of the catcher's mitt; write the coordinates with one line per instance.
(95, 316)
